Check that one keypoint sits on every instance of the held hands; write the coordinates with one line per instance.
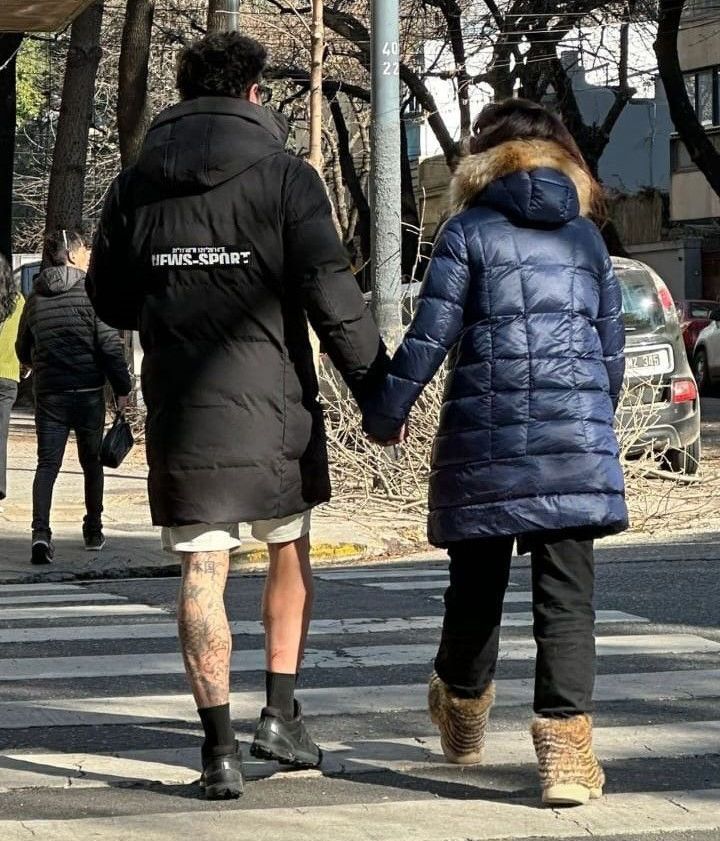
(402, 436)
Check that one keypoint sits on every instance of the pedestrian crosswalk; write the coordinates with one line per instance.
(93, 698)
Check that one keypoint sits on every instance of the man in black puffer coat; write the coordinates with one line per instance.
(72, 353)
(218, 246)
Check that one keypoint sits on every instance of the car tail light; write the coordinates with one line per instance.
(683, 391)
(666, 298)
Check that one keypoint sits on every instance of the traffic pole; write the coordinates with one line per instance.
(386, 170)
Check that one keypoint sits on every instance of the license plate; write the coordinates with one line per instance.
(650, 363)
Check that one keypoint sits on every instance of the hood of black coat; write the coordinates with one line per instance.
(57, 279)
(541, 197)
(204, 142)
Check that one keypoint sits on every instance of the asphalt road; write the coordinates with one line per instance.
(98, 736)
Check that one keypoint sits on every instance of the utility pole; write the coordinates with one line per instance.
(386, 172)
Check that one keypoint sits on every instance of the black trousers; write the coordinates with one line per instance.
(8, 394)
(564, 620)
(56, 415)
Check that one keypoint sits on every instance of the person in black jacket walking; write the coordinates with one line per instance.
(522, 294)
(218, 246)
(71, 353)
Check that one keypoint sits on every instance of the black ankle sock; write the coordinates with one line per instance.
(280, 691)
(219, 733)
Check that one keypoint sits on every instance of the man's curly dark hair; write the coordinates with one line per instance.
(224, 64)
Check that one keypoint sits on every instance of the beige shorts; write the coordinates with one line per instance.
(225, 537)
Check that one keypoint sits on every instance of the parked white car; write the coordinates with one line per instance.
(706, 358)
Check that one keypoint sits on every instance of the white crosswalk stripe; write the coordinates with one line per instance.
(319, 627)
(637, 665)
(353, 657)
(63, 611)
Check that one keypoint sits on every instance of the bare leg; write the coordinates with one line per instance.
(203, 627)
(287, 605)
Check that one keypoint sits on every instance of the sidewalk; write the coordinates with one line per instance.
(133, 544)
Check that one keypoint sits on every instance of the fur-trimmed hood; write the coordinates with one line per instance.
(532, 179)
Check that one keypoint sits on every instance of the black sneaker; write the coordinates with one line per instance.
(222, 777)
(94, 540)
(42, 552)
(285, 740)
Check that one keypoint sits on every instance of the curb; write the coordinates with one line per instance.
(319, 553)
(253, 561)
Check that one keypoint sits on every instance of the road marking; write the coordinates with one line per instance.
(80, 611)
(353, 657)
(362, 574)
(402, 586)
(408, 586)
(319, 627)
(615, 816)
(39, 588)
(52, 598)
(179, 766)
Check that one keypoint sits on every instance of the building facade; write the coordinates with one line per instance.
(692, 200)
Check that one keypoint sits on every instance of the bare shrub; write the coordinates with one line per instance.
(368, 478)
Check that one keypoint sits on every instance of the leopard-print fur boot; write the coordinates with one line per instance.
(462, 721)
(570, 774)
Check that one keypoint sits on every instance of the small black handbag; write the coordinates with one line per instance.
(117, 443)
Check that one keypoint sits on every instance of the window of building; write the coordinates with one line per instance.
(705, 97)
(703, 87)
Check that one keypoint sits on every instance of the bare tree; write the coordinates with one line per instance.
(133, 107)
(317, 50)
(699, 146)
(67, 177)
(9, 46)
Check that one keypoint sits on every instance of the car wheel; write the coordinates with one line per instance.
(702, 373)
(685, 461)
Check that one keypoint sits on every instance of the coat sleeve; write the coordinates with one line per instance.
(112, 358)
(316, 260)
(111, 281)
(611, 329)
(24, 341)
(435, 329)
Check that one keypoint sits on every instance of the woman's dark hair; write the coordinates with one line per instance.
(225, 64)
(59, 245)
(9, 292)
(521, 119)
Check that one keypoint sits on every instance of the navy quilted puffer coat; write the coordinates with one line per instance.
(521, 292)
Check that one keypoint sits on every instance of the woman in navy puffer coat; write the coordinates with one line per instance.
(522, 294)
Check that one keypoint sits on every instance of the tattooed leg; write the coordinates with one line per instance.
(287, 605)
(203, 627)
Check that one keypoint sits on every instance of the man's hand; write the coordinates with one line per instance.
(122, 403)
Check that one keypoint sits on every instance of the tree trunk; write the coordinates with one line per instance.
(221, 16)
(699, 146)
(66, 190)
(9, 45)
(133, 109)
(413, 250)
(352, 181)
(317, 48)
